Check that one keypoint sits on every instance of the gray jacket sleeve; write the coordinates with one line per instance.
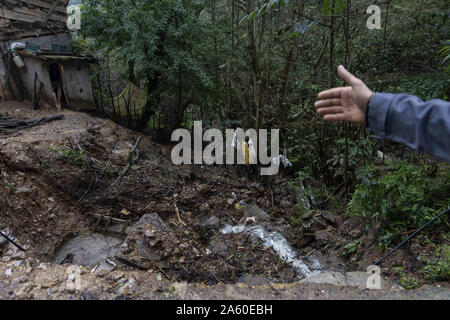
(407, 119)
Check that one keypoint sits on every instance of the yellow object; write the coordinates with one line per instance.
(135, 97)
(246, 152)
(238, 206)
(249, 158)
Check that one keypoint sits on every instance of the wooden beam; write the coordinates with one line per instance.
(25, 34)
(12, 15)
(64, 83)
(60, 8)
(40, 14)
(17, 11)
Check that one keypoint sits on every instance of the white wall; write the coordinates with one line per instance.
(3, 81)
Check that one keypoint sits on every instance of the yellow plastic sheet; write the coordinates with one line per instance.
(134, 97)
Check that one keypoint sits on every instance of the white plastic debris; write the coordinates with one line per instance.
(234, 143)
(252, 151)
(283, 160)
(17, 46)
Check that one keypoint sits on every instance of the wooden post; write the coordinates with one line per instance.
(63, 81)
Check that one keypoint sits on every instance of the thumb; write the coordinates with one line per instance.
(349, 78)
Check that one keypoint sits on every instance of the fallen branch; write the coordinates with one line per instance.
(10, 125)
(178, 213)
(131, 160)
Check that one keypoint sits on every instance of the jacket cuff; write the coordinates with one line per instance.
(377, 113)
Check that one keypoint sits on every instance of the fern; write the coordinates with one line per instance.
(445, 52)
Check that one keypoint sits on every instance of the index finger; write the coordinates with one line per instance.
(331, 93)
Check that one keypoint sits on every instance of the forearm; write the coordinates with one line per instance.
(407, 119)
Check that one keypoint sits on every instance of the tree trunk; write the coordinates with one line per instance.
(282, 110)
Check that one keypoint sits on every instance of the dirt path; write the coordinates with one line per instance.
(33, 280)
(58, 178)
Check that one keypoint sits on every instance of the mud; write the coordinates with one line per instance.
(58, 177)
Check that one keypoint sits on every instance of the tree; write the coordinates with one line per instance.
(155, 40)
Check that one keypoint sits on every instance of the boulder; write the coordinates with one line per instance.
(255, 211)
(324, 237)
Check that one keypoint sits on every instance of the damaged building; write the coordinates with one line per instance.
(37, 61)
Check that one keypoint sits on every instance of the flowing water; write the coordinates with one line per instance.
(281, 246)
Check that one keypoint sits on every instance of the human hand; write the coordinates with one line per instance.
(345, 103)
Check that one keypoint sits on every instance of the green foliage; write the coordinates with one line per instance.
(154, 40)
(262, 10)
(445, 52)
(75, 157)
(425, 86)
(328, 9)
(438, 267)
(349, 248)
(410, 283)
(403, 197)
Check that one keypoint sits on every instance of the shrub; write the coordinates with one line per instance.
(400, 197)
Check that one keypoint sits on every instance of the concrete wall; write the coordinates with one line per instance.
(33, 66)
(79, 85)
(77, 76)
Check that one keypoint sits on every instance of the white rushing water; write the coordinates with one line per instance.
(276, 241)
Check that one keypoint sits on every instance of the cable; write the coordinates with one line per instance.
(410, 237)
(12, 241)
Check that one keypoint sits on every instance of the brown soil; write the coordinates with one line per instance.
(54, 177)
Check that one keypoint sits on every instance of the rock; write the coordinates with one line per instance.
(303, 241)
(324, 237)
(255, 211)
(8, 272)
(257, 187)
(87, 296)
(230, 201)
(330, 218)
(16, 263)
(87, 249)
(220, 247)
(253, 280)
(355, 234)
(359, 279)
(319, 221)
(154, 220)
(3, 242)
(334, 278)
(211, 222)
(105, 266)
(19, 256)
(349, 279)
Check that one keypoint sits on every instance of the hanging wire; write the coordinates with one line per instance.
(410, 237)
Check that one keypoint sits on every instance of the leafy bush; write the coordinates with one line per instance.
(400, 197)
(445, 52)
(425, 86)
(438, 268)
